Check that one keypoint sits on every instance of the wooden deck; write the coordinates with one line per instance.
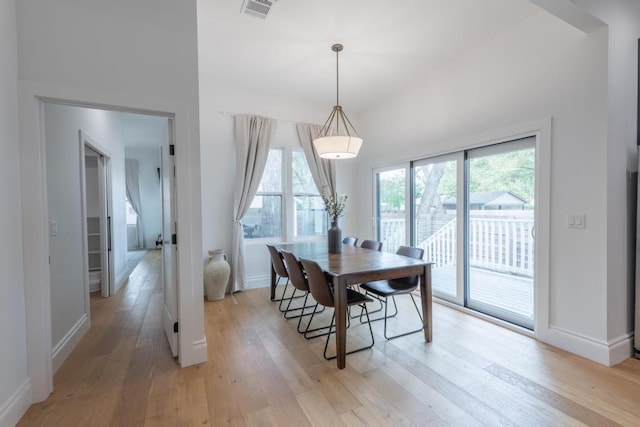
(508, 292)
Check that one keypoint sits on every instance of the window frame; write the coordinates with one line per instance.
(288, 203)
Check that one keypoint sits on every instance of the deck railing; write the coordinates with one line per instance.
(503, 245)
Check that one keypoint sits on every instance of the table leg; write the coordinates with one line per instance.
(273, 283)
(426, 297)
(340, 300)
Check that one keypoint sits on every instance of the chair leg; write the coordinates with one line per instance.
(404, 333)
(367, 293)
(326, 344)
(286, 298)
(383, 302)
(298, 309)
(307, 330)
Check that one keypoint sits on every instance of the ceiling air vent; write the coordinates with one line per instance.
(259, 8)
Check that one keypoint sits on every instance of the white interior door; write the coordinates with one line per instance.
(104, 185)
(169, 244)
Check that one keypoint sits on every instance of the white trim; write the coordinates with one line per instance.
(605, 353)
(257, 282)
(33, 186)
(35, 221)
(14, 408)
(197, 352)
(122, 278)
(63, 349)
(620, 349)
(542, 256)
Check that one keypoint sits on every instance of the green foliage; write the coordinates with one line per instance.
(392, 190)
(513, 171)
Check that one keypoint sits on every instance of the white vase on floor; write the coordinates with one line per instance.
(216, 275)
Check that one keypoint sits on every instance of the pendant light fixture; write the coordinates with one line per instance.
(338, 139)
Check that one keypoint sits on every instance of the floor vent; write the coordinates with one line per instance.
(259, 8)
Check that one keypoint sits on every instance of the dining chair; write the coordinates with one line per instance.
(350, 240)
(383, 289)
(376, 246)
(281, 273)
(321, 291)
(299, 282)
(371, 244)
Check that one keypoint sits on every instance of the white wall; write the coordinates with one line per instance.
(148, 161)
(541, 68)
(138, 55)
(64, 164)
(623, 19)
(15, 387)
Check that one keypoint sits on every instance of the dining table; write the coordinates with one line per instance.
(354, 265)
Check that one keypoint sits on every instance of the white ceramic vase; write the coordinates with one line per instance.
(216, 275)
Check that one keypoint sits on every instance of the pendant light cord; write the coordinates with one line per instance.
(337, 78)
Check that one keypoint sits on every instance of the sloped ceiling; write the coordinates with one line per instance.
(387, 45)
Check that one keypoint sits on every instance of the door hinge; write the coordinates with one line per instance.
(172, 150)
(175, 328)
(174, 239)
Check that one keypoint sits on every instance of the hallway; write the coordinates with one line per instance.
(108, 377)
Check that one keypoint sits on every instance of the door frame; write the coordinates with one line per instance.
(541, 129)
(32, 96)
(107, 284)
(375, 218)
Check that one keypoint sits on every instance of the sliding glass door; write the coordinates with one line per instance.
(473, 214)
(499, 212)
(436, 221)
(392, 207)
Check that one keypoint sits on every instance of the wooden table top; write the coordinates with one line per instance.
(354, 260)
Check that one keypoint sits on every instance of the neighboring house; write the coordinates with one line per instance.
(490, 200)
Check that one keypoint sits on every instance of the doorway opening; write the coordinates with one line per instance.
(86, 188)
(98, 211)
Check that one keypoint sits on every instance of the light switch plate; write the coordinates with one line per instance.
(576, 221)
(53, 227)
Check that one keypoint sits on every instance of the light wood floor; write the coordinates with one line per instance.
(262, 372)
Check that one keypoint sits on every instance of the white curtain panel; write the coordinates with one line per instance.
(322, 170)
(252, 136)
(132, 171)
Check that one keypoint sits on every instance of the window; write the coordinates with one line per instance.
(132, 216)
(309, 216)
(287, 204)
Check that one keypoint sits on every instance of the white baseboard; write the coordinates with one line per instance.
(13, 409)
(197, 353)
(121, 279)
(258, 282)
(63, 349)
(620, 349)
(606, 353)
